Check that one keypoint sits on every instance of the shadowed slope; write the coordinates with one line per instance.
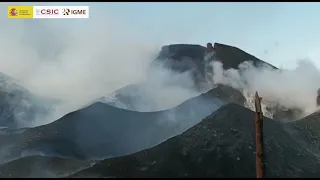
(101, 131)
(222, 145)
(306, 130)
(42, 167)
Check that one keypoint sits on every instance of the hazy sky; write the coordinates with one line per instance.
(279, 33)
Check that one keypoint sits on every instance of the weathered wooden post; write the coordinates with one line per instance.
(259, 138)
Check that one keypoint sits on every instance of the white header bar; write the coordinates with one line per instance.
(61, 12)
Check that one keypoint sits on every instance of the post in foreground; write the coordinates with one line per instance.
(259, 137)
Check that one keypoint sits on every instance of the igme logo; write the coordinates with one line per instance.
(68, 11)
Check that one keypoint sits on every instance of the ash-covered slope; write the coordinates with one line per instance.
(138, 98)
(18, 107)
(42, 167)
(222, 145)
(232, 57)
(306, 130)
(101, 131)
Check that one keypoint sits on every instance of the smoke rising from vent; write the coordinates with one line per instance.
(287, 89)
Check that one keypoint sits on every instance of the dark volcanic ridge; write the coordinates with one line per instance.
(102, 131)
(221, 145)
(174, 56)
(306, 130)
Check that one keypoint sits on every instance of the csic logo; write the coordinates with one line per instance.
(13, 12)
(47, 11)
(67, 12)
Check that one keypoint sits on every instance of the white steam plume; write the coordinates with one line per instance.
(290, 89)
(76, 61)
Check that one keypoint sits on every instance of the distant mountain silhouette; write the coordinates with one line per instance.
(183, 57)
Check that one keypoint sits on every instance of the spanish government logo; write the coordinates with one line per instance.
(20, 12)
